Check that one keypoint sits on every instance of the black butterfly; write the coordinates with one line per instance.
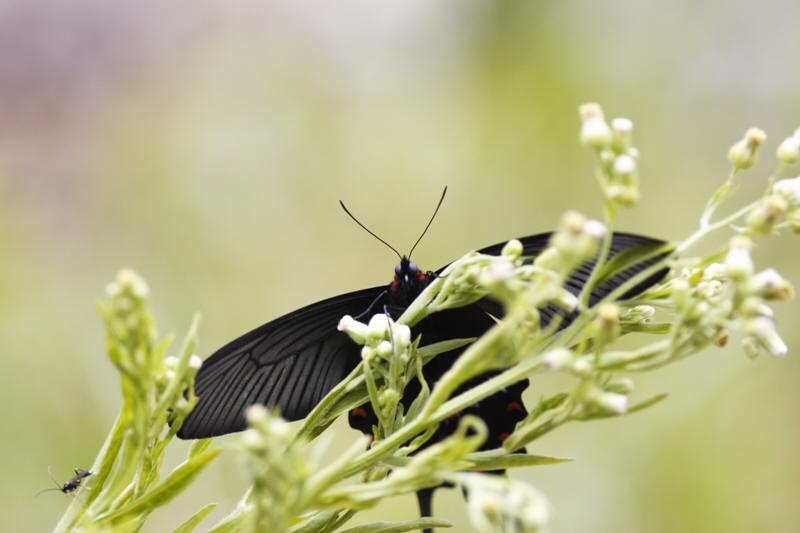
(293, 361)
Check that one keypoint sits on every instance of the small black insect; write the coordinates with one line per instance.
(293, 361)
(71, 485)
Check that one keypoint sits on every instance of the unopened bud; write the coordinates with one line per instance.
(790, 190)
(355, 329)
(384, 349)
(594, 130)
(609, 402)
(624, 165)
(771, 285)
(255, 414)
(764, 217)
(621, 129)
(743, 154)
(620, 385)
(512, 249)
(557, 359)
(789, 150)
(738, 264)
(378, 327)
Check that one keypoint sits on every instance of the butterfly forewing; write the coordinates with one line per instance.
(290, 362)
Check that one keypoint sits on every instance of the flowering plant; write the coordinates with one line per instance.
(706, 296)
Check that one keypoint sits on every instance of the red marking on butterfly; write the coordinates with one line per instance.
(503, 436)
(513, 407)
(359, 412)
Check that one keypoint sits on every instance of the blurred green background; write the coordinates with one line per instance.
(206, 144)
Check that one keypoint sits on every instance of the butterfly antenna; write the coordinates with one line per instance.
(444, 192)
(367, 229)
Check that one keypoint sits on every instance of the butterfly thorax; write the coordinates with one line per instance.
(407, 283)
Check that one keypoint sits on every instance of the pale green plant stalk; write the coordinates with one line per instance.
(296, 488)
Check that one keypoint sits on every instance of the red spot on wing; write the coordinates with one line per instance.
(421, 275)
(512, 407)
(360, 412)
(395, 284)
(503, 436)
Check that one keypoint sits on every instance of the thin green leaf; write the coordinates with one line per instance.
(192, 522)
(515, 460)
(398, 527)
(173, 485)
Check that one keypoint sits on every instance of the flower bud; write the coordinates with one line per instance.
(594, 130)
(738, 263)
(384, 349)
(763, 330)
(624, 195)
(639, 314)
(624, 166)
(557, 359)
(790, 190)
(608, 402)
(681, 291)
(709, 289)
(789, 150)
(194, 364)
(255, 414)
(763, 218)
(620, 385)
(714, 271)
(512, 249)
(402, 335)
(621, 129)
(566, 300)
(771, 285)
(355, 329)
(743, 154)
(368, 354)
(378, 327)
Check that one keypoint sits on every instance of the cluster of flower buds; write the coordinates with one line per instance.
(576, 241)
(388, 344)
(753, 290)
(617, 155)
(276, 466)
(497, 503)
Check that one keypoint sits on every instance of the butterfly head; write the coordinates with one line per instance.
(408, 280)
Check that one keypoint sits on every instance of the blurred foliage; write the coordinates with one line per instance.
(207, 148)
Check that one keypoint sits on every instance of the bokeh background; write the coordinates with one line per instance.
(206, 144)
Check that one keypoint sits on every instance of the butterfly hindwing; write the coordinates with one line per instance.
(290, 362)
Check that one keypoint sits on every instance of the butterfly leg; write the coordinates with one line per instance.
(425, 500)
(369, 308)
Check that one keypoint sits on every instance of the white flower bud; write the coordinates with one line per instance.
(252, 439)
(355, 329)
(624, 165)
(620, 385)
(566, 300)
(582, 367)
(639, 314)
(738, 263)
(594, 130)
(170, 362)
(763, 218)
(367, 353)
(496, 273)
(378, 327)
(609, 402)
(195, 362)
(557, 359)
(512, 249)
(763, 329)
(402, 335)
(789, 150)
(255, 414)
(714, 271)
(595, 229)
(743, 153)
(384, 349)
(709, 289)
(680, 292)
(624, 195)
(771, 285)
(790, 190)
